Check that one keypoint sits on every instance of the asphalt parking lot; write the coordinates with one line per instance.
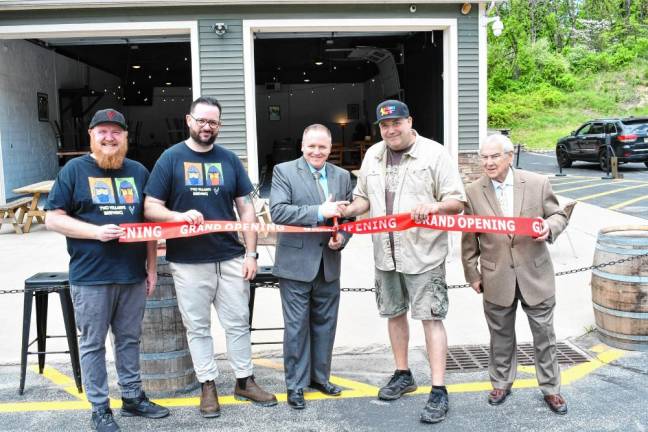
(583, 182)
(606, 392)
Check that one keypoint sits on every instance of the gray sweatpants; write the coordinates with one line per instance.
(119, 308)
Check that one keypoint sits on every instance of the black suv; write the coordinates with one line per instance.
(628, 141)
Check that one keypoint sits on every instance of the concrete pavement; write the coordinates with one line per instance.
(610, 392)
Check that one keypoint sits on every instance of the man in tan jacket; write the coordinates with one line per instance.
(514, 268)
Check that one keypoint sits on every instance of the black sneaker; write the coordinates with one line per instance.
(400, 383)
(436, 407)
(142, 407)
(103, 421)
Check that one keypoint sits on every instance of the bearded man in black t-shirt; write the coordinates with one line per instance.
(109, 281)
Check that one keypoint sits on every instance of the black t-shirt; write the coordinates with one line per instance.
(98, 196)
(208, 182)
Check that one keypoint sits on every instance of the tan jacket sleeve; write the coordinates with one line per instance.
(470, 250)
(553, 213)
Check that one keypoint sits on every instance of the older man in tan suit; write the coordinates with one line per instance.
(512, 269)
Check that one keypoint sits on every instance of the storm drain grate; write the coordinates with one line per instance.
(466, 358)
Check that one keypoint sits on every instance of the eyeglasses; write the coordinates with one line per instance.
(202, 122)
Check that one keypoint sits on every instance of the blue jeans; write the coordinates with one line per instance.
(119, 308)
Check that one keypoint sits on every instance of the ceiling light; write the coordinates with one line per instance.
(136, 67)
(167, 83)
(186, 59)
(306, 80)
(167, 68)
(319, 63)
(149, 76)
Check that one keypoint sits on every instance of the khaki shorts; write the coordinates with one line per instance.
(426, 292)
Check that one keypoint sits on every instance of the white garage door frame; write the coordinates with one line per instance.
(450, 66)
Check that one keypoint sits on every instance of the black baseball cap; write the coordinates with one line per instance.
(391, 109)
(108, 115)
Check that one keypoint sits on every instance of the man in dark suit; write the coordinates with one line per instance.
(512, 269)
(308, 265)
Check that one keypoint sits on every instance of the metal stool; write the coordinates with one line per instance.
(264, 277)
(39, 286)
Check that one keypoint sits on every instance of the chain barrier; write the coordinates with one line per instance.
(466, 285)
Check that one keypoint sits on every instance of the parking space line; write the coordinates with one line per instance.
(628, 202)
(605, 355)
(596, 195)
(555, 184)
(359, 387)
(526, 369)
(588, 186)
(61, 380)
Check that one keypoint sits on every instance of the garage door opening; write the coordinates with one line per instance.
(337, 79)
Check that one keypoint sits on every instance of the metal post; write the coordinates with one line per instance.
(608, 154)
(517, 156)
(559, 173)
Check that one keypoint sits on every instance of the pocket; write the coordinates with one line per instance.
(418, 181)
(373, 184)
(485, 264)
(532, 211)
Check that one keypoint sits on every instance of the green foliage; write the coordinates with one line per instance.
(561, 62)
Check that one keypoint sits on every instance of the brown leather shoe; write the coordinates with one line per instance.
(209, 406)
(247, 389)
(557, 403)
(498, 396)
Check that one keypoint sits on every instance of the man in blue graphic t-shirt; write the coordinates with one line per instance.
(193, 181)
(109, 280)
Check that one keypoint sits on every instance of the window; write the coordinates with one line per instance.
(584, 129)
(610, 128)
(596, 129)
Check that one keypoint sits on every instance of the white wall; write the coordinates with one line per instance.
(309, 103)
(27, 146)
(168, 103)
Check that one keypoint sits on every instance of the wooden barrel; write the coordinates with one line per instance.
(165, 362)
(620, 291)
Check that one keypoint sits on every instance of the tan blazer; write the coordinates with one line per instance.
(497, 259)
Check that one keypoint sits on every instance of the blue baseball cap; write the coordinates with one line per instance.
(391, 109)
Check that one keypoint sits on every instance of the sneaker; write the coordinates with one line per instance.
(103, 421)
(400, 383)
(141, 406)
(436, 408)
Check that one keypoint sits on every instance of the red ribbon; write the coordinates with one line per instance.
(532, 227)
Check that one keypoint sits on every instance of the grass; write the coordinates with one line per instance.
(607, 94)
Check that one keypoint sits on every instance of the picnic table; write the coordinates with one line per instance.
(35, 190)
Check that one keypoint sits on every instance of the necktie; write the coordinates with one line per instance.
(503, 203)
(320, 190)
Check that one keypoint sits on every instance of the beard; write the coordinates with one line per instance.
(203, 142)
(113, 161)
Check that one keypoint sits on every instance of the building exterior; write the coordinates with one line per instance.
(221, 35)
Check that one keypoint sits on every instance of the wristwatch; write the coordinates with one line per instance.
(254, 255)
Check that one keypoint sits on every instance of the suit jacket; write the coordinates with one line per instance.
(294, 200)
(505, 259)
